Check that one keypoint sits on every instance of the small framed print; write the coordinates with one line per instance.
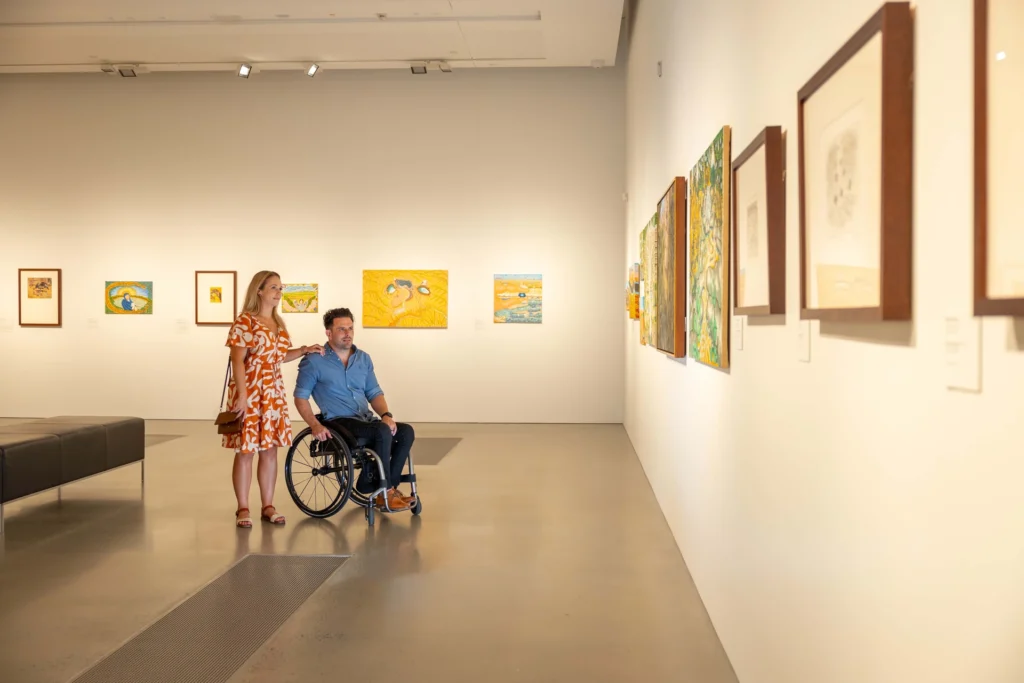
(998, 146)
(856, 122)
(216, 297)
(759, 226)
(39, 297)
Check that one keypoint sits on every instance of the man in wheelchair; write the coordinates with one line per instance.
(345, 388)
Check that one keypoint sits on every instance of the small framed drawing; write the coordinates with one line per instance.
(39, 297)
(759, 226)
(216, 297)
(855, 119)
(998, 110)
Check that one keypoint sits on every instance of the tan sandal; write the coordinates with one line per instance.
(273, 517)
(243, 522)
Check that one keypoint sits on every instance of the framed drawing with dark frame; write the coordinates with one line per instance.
(216, 297)
(856, 127)
(40, 296)
(671, 262)
(998, 112)
(759, 226)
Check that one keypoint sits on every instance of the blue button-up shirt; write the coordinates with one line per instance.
(337, 390)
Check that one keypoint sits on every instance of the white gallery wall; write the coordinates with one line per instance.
(847, 519)
(477, 172)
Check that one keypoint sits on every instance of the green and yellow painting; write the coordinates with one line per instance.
(300, 298)
(128, 297)
(709, 253)
(649, 280)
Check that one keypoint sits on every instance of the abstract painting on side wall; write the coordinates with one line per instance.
(300, 298)
(518, 299)
(129, 297)
(649, 283)
(633, 292)
(709, 253)
(671, 336)
(405, 298)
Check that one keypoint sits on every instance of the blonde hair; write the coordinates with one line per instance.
(252, 296)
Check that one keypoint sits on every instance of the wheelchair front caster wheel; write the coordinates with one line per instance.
(418, 507)
(370, 515)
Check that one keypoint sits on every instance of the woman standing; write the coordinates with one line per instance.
(259, 343)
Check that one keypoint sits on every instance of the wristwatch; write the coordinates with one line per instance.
(383, 415)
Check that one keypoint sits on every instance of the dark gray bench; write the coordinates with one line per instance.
(40, 455)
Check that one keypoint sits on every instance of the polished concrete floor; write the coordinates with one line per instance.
(541, 555)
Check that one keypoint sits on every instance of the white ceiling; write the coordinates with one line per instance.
(202, 35)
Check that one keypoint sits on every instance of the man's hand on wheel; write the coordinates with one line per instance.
(320, 433)
(390, 422)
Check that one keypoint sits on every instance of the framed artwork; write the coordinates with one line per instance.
(128, 297)
(39, 297)
(518, 299)
(649, 282)
(998, 146)
(856, 134)
(301, 298)
(671, 250)
(405, 298)
(216, 297)
(633, 292)
(759, 226)
(710, 181)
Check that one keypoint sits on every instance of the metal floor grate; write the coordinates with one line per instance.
(210, 635)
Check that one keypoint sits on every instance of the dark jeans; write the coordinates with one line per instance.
(393, 450)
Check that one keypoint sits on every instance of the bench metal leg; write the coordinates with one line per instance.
(59, 497)
(143, 463)
(1, 519)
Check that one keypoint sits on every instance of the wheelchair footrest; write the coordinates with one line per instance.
(408, 478)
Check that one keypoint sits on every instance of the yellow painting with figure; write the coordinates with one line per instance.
(405, 298)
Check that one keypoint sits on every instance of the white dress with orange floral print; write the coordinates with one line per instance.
(266, 419)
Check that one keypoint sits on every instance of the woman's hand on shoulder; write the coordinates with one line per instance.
(315, 348)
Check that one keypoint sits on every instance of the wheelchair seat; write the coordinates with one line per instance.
(351, 440)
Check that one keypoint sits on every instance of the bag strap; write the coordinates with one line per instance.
(227, 374)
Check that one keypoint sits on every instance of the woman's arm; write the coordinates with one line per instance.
(238, 371)
(292, 354)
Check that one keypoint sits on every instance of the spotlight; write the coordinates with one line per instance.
(445, 67)
(244, 70)
(418, 69)
(126, 71)
(313, 68)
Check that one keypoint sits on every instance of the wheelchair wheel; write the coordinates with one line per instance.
(418, 507)
(318, 473)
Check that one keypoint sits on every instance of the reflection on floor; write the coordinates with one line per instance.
(546, 563)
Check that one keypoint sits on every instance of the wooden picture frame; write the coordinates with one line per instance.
(670, 338)
(761, 186)
(865, 165)
(998, 237)
(40, 297)
(211, 313)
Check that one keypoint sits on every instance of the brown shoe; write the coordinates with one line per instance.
(410, 500)
(396, 503)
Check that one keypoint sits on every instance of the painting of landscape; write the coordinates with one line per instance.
(518, 299)
(649, 283)
(709, 253)
(405, 298)
(671, 306)
(302, 298)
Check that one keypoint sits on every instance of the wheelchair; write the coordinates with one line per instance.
(321, 476)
